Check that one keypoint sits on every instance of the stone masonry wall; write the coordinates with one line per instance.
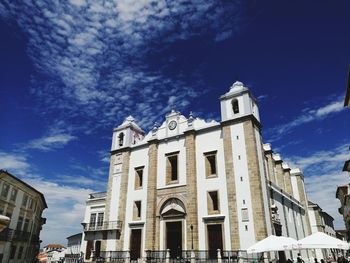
(255, 181)
(231, 188)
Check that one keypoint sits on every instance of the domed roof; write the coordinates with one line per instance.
(237, 87)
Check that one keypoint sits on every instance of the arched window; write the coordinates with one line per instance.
(235, 106)
(121, 139)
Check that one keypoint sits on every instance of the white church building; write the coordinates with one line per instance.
(195, 185)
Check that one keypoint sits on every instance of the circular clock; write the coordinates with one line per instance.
(172, 125)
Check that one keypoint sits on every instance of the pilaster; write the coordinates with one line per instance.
(255, 181)
(270, 166)
(287, 181)
(122, 196)
(191, 173)
(151, 229)
(279, 174)
(231, 187)
(303, 200)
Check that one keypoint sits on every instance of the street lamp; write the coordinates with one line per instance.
(191, 227)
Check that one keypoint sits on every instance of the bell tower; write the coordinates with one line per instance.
(238, 102)
(126, 134)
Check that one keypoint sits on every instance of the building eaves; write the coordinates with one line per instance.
(25, 184)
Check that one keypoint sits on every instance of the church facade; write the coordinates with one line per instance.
(195, 185)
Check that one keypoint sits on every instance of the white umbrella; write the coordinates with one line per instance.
(273, 243)
(322, 240)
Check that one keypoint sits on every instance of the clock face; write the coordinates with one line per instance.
(172, 125)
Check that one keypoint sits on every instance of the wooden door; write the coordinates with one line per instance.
(135, 244)
(214, 239)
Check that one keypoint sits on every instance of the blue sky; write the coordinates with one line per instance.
(71, 71)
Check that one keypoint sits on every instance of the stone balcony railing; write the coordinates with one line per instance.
(107, 225)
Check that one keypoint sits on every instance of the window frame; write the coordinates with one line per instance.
(138, 177)
(13, 195)
(235, 106)
(169, 167)
(211, 202)
(5, 193)
(137, 212)
(208, 164)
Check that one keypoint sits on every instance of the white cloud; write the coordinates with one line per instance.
(92, 53)
(323, 173)
(82, 181)
(14, 162)
(65, 195)
(50, 142)
(65, 212)
(308, 115)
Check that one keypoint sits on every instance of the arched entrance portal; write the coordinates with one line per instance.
(173, 213)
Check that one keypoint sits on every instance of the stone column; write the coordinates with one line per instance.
(191, 173)
(303, 200)
(270, 163)
(122, 197)
(255, 181)
(287, 180)
(151, 230)
(108, 196)
(231, 187)
(279, 171)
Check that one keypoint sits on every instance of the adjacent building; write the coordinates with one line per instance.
(189, 184)
(24, 205)
(321, 221)
(72, 252)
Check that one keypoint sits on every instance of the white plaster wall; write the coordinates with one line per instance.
(263, 177)
(207, 142)
(113, 209)
(312, 218)
(170, 146)
(138, 158)
(278, 202)
(295, 187)
(96, 206)
(290, 219)
(247, 237)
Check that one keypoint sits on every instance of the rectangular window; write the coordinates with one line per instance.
(100, 220)
(19, 223)
(20, 253)
(24, 200)
(92, 221)
(138, 177)
(172, 168)
(5, 190)
(30, 203)
(26, 225)
(137, 210)
(245, 216)
(13, 194)
(13, 252)
(210, 164)
(213, 202)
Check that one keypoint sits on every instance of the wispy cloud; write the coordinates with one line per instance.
(13, 162)
(308, 115)
(66, 206)
(65, 198)
(49, 142)
(323, 173)
(93, 55)
(99, 184)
